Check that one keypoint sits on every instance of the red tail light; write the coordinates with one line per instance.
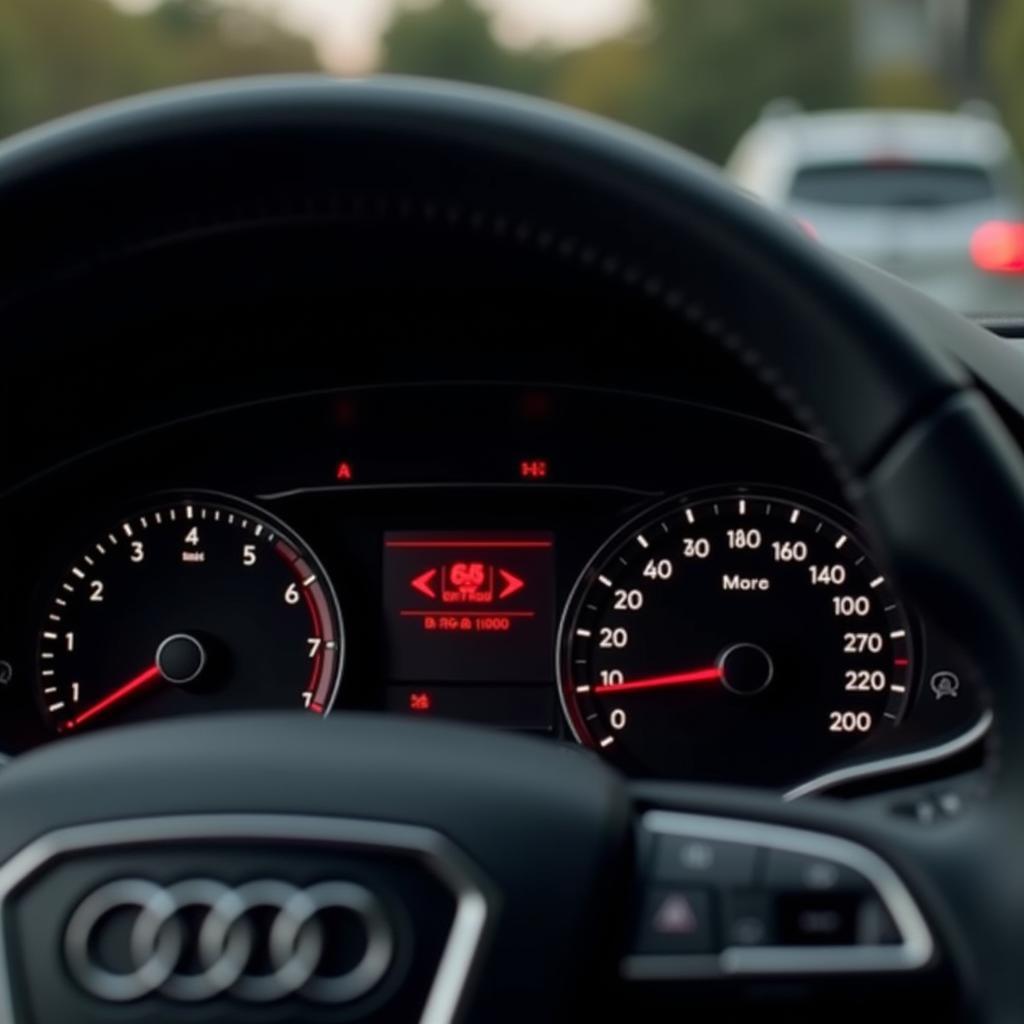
(998, 246)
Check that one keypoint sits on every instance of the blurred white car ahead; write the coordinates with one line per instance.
(934, 198)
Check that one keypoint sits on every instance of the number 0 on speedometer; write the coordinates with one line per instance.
(734, 637)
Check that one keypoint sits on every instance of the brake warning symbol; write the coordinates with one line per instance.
(462, 583)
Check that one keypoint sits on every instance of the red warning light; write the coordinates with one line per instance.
(533, 469)
(419, 701)
(344, 471)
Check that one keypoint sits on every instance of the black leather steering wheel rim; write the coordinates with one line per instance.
(924, 455)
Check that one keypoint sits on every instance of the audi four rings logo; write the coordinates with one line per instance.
(226, 938)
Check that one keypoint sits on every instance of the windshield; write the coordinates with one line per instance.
(819, 108)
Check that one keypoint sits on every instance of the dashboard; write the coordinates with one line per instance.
(514, 555)
(401, 477)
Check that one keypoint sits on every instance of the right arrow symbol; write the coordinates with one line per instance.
(512, 583)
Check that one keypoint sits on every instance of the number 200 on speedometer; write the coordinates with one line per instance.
(734, 637)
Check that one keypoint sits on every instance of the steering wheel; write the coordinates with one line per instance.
(493, 876)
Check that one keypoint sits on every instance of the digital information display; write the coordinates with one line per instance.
(469, 607)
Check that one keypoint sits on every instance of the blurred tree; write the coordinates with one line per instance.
(906, 86)
(453, 39)
(1004, 47)
(708, 67)
(58, 57)
(697, 72)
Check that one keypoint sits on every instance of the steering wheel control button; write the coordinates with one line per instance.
(750, 920)
(727, 897)
(703, 861)
(794, 872)
(816, 920)
(676, 920)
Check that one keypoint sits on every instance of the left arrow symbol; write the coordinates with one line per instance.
(422, 583)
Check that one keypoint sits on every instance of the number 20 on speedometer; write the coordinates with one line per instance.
(734, 637)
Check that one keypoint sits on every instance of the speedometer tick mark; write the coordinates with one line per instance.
(67, 586)
(690, 517)
(309, 580)
(583, 689)
(897, 633)
(842, 540)
(583, 632)
(604, 579)
(877, 582)
(794, 515)
(78, 572)
(607, 741)
(127, 529)
(642, 541)
(743, 506)
(189, 511)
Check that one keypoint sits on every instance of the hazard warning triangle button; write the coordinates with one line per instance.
(676, 921)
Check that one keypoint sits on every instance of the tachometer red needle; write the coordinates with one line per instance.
(703, 675)
(119, 694)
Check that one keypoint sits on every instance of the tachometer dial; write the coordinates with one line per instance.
(736, 637)
(194, 605)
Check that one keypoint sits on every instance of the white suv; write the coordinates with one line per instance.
(934, 198)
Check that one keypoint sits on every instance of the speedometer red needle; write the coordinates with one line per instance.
(703, 675)
(119, 694)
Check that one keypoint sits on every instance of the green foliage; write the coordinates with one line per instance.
(452, 39)
(60, 57)
(698, 72)
(1005, 52)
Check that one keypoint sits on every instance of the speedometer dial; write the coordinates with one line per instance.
(197, 604)
(734, 637)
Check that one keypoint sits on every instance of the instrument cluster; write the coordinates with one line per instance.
(678, 587)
